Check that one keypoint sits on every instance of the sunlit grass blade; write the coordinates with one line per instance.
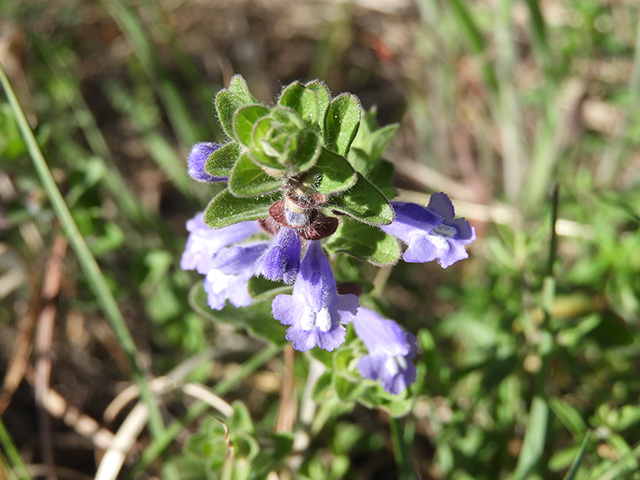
(9, 447)
(92, 271)
(551, 136)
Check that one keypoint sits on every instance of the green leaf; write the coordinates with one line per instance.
(365, 242)
(341, 123)
(249, 180)
(375, 397)
(369, 144)
(261, 288)
(333, 173)
(245, 119)
(256, 319)
(220, 162)
(262, 151)
(273, 452)
(383, 176)
(280, 141)
(323, 97)
(568, 415)
(227, 103)
(225, 209)
(238, 85)
(306, 153)
(322, 388)
(364, 202)
(303, 101)
(347, 390)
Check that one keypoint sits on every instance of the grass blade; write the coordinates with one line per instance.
(92, 271)
(471, 30)
(10, 448)
(114, 181)
(571, 474)
(179, 117)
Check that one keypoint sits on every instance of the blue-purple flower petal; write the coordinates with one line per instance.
(432, 232)
(391, 350)
(229, 273)
(281, 260)
(204, 242)
(315, 312)
(198, 156)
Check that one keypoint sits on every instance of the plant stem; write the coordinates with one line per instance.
(401, 450)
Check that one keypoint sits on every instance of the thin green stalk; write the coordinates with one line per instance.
(550, 138)
(10, 448)
(575, 465)
(160, 444)
(87, 262)
(401, 450)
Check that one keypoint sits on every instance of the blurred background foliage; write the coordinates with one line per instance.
(529, 363)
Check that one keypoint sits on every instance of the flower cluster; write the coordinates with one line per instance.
(291, 185)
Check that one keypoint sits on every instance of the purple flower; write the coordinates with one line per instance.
(432, 232)
(390, 351)
(204, 242)
(281, 259)
(315, 311)
(197, 160)
(230, 271)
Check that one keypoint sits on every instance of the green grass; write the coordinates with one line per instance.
(529, 350)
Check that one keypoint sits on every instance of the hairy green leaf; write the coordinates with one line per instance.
(220, 163)
(249, 180)
(226, 209)
(238, 85)
(227, 103)
(323, 98)
(244, 120)
(341, 123)
(332, 172)
(303, 101)
(364, 202)
(365, 242)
